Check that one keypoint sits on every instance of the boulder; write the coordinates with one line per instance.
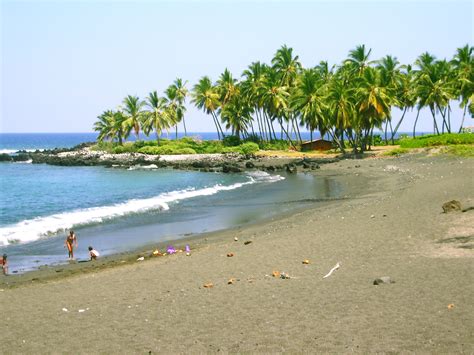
(384, 280)
(230, 168)
(452, 206)
(249, 165)
(291, 168)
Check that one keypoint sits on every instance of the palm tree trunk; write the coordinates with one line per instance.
(416, 120)
(298, 130)
(391, 129)
(445, 123)
(258, 123)
(336, 140)
(273, 130)
(176, 132)
(184, 124)
(286, 133)
(262, 124)
(398, 125)
(385, 134)
(218, 124)
(463, 117)
(217, 128)
(435, 125)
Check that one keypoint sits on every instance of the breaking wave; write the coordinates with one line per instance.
(33, 229)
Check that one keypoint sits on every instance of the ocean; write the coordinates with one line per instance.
(118, 210)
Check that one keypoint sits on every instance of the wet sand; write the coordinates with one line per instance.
(391, 225)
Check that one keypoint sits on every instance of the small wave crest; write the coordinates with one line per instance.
(33, 229)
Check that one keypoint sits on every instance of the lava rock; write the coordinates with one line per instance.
(384, 280)
(452, 206)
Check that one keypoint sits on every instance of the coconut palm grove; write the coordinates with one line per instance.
(270, 103)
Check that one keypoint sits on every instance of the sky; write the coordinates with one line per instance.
(65, 62)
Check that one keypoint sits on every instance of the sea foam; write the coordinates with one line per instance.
(33, 229)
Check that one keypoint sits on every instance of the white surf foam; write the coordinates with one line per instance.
(33, 229)
(13, 151)
(8, 151)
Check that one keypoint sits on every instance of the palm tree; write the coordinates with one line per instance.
(463, 63)
(252, 88)
(374, 100)
(159, 117)
(359, 59)
(237, 114)
(390, 77)
(287, 68)
(110, 125)
(308, 101)
(405, 95)
(176, 94)
(340, 100)
(226, 87)
(133, 110)
(275, 99)
(104, 126)
(434, 87)
(206, 97)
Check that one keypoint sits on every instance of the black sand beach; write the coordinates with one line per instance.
(392, 226)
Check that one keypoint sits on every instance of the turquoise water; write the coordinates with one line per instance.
(118, 210)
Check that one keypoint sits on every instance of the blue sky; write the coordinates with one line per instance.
(64, 62)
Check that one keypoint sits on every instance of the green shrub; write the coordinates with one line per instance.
(104, 146)
(249, 148)
(274, 145)
(253, 138)
(148, 150)
(437, 140)
(377, 139)
(231, 150)
(231, 141)
(127, 147)
(186, 151)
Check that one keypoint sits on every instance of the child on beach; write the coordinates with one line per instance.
(93, 253)
(4, 263)
(69, 243)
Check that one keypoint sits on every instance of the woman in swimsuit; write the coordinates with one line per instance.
(70, 240)
(4, 263)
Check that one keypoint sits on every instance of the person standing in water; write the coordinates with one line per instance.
(4, 264)
(71, 240)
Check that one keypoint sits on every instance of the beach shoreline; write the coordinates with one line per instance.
(46, 272)
(393, 227)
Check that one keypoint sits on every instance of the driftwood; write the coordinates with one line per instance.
(332, 270)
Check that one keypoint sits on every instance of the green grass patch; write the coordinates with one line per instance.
(437, 140)
(396, 152)
(461, 150)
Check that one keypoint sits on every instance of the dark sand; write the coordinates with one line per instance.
(392, 225)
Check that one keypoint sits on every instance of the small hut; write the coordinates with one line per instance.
(317, 144)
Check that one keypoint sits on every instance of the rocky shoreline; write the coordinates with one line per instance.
(82, 155)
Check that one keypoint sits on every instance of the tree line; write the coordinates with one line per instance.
(345, 102)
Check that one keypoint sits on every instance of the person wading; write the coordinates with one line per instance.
(71, 240)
